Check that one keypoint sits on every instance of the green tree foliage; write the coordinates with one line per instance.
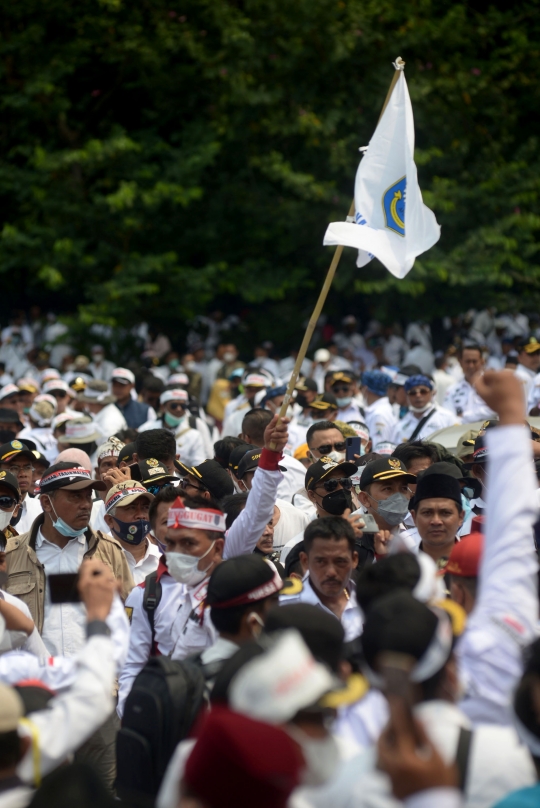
(157, 157)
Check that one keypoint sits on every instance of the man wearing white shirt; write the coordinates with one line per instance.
(425, 416)
(379, 415)
(126, 514)
(101, 368)
(461, 398)
(100, 403)
(528, 364)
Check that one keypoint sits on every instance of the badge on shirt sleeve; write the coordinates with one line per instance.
(129, 612)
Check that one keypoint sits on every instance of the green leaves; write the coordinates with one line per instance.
(159, 158)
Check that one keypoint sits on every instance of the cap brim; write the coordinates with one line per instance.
(391, 473)
(183, 469)
(65, 439)
(90, 400)
(17, 453)
(131, 498)
(354, 689)
(97, 485)
(162, 479)
(348, 469)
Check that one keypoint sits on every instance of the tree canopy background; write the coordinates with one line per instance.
(158, 159)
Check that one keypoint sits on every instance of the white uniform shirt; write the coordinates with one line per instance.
(97, 517)
(351, 618)
(33, 643)
(350, 413)
(30, 510)
(527, 377)
(462, 399)
(504, 618)
(439, 419)
(44, 439)
(534, 393)
(380, 420)
(110, 421)
(103, 371)
(192, 630)
(498, 762)
(291, 522)
(293, 478)
(147, 564)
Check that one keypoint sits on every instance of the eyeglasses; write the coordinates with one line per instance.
(17, 470)
(175, 407)
(7, 503)
(328, 447)
(331, 485)
(155, 489)
(185, 483)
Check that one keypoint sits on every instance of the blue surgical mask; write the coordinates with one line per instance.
(64, 529)
(131, 532)
(466, 506)
(344, 402)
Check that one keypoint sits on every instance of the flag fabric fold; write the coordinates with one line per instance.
(391, 221)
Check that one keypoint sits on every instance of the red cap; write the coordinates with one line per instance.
(466, 556)
(251, 763)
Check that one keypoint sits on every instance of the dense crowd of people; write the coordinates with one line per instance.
(214, 596)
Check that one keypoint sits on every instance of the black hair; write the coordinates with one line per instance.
(152, 383)
(319, 426)
(89, 448)
(10, 749)
(254, 424)
(329, 527)
(399, 571)
(233, 505)
(472, 347)
(223, 449)
(228, 620)
(167, 494)
(157, 443)
(127, 435)
(407, 452)
(7, 435)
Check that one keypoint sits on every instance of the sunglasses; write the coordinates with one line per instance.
(175, 407)
(327, 448)
(331, 485)
(155, 489)
(7, 503)
(185, 483)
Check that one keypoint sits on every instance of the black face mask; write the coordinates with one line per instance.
(302, 401)
(336, 502)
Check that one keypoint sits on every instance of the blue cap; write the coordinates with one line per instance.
(415, 381)
(273, 392)
(376, 381)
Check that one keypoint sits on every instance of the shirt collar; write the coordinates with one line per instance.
(40, 540)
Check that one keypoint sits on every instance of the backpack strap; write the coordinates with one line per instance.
(420, 424)
(192, 421)
(463, 756)
(151, 599)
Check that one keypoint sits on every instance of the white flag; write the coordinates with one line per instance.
(391, 223)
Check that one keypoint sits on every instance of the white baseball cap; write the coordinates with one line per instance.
(123, 375)
(273, 687)
(174, 395)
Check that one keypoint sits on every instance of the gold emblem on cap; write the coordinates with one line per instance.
(2, 475)
(16, 444)
(152, 462)
(394, 463)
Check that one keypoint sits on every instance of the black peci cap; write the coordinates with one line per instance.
(437, 486)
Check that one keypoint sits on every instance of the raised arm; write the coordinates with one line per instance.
(506, 608)
(248, 528)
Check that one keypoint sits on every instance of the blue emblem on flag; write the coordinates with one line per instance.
(393, 202)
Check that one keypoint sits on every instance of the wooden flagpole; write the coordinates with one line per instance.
(399, 64)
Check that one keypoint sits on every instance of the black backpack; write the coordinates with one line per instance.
(159, 712)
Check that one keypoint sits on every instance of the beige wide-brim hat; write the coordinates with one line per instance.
(80, 430)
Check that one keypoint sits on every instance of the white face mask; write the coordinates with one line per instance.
(184, 568)
(5, 519)
(257, 629)
(337, 457)
(321, 755)
(229, 356)
(240, 487)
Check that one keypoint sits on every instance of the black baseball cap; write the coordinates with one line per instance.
(250, 461)
(385, 468)
(480, 452)
(326, 401)
(126, 453)
(242, 580)
(10, 481)
(237, 454)
(15, 448)
(306, 384)
(211, 475)
(528, 344)
(150, 472)
(40, 458)
(68, 475)
(322, 469)
(8, 416)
